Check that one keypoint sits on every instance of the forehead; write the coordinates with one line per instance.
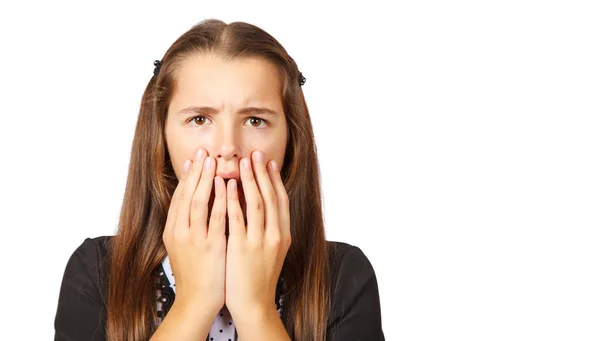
(206, 79)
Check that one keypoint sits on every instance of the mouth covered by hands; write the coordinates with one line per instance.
(240, 267)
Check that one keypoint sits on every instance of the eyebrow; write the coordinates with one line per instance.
(210, 110)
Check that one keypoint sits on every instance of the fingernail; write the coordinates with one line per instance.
(186, 166)
(274, 165)
(208, 162)
(258, 156)
(246, 163)
(199, 154)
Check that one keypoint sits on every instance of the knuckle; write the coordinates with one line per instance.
(258, 205)
(254, 245)
(274, 240)
(180, 236)
(208, 247)
(213, 246)
(184, 194)
(238, 218)
(217, 215)
(285, 200)
(198, 243)
(166, 238)
(272, 198)
(197, 203)
(287, 240)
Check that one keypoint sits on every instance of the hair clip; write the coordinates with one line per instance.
(157, 64)
(301, 79)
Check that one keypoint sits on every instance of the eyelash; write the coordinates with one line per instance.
(258, 118)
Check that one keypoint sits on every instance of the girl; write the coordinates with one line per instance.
(221, 231)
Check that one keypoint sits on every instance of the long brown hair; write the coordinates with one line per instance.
(137, 249)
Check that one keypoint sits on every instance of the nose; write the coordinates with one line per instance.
(227, 148)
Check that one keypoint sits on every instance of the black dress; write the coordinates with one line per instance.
(81, 314)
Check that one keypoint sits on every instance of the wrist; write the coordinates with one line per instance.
(261, 323)
(256, 315)
(185, 321)
(195, 308)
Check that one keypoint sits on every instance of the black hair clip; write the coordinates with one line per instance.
(157, 64)
(301, 79)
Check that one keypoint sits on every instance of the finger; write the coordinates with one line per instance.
(216, 227)
(254, 202)
(199, 206)
(267, 192)
(187, 192)
(283, 202)
(172, 213)
(237, 230)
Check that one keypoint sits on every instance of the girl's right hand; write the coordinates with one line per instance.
(196, 248)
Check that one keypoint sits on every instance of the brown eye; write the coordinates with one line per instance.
(255, 121)
(198, 120)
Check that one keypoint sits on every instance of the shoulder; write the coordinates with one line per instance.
(87, 267)
(344, 256)
(90, 257)
(350, 269)
(94, 249)
(355, 311)
(82, 298)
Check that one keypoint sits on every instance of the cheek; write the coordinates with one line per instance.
(278, 156)
(272, 155)
(181, 146)
(179, 155)
(274, 147)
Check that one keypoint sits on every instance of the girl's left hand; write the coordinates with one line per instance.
(255, 254)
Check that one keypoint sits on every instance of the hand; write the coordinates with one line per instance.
(255, 254)
(197, 251)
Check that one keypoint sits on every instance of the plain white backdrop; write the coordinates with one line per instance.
(458, 142)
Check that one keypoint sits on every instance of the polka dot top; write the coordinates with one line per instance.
(223, 328)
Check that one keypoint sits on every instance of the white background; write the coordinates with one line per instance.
(458, 140)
